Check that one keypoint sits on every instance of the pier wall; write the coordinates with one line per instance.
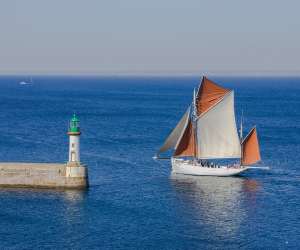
(43, 175)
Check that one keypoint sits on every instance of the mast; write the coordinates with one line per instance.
(195, 124)
(241, 138)
(194, 103)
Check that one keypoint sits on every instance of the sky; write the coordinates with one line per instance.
(150, 37)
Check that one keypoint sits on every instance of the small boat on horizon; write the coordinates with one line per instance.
(206, 132)
(27, 83)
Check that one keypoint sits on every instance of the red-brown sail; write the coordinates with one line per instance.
(208, 95)
(186, 146)
(250, 148)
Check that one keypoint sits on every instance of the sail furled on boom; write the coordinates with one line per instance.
(209, 93)
(187, 145)
(174, 137)
(250, 147)
(217, 135)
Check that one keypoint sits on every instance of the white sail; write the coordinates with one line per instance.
(217, 135)
(176, 134)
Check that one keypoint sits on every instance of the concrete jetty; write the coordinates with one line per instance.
(72, 174)
(47, 175)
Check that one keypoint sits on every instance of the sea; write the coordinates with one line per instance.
(133, 201)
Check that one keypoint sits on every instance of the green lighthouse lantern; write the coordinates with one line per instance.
(74, 127)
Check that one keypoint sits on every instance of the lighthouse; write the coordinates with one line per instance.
(74, 140)
(74, 168)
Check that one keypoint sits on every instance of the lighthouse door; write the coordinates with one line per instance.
(72, 156)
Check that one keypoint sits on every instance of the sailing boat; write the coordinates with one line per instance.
(207, 131)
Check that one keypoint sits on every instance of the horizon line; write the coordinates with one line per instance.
(155, 74)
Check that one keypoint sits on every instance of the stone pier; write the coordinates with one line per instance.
(44, 175)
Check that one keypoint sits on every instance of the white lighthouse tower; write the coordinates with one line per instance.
(74, 167)
(74, 142)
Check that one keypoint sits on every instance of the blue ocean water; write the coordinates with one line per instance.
(133, 202)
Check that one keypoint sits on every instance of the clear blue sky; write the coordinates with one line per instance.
(150, 37)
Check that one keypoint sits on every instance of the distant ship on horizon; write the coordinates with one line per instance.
(27, 83)
(207, 131)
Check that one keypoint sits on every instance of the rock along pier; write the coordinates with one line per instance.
(72, 174)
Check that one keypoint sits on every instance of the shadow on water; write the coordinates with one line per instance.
(217, 204)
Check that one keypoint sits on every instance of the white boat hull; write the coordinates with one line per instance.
(180, 166)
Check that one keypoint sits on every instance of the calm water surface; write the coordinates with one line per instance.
(133, 202)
